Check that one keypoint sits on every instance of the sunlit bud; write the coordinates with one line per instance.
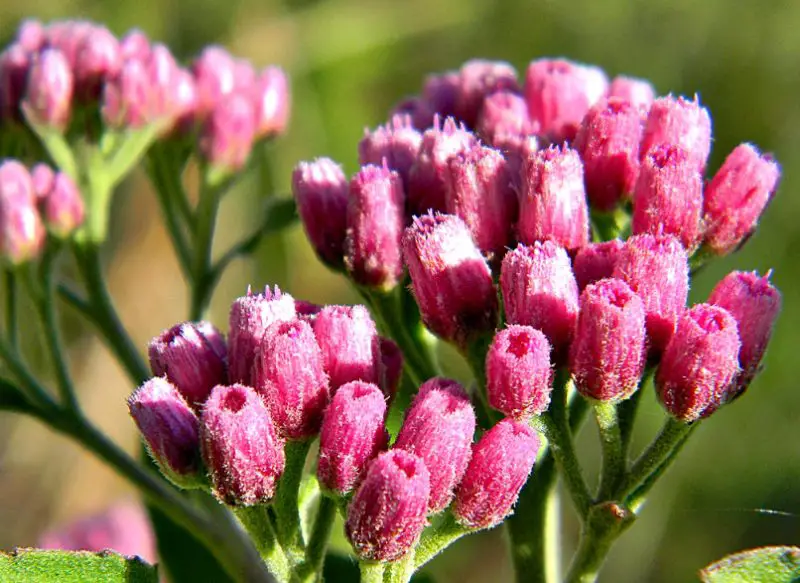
(397, 143)
(228, 133)
(31, 35)
(48, 97)
(63, 208)
(637, 92)
(273, 102)
(392, 359)
(674, 121)
(478, 79)
(215, 74)
(595, 261)
(22, 233)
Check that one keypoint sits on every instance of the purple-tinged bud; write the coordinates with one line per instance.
(678, 122)
(98, 59)
(397, 143)
(440, 92)
(668, 199)
(43, 179)
(477, 80)
(737, 195)
(501, 462)
(387, 514)
(250, 317)
(637, 92)
(241, 446)
(553, 199)
(559, 93)
(415, 108)
(134, 45)
(375, 219)
(321, 191)
(228, 133)
(699, 364)
(755, 303)
(518, 372)
(392, 359)
(438, 427)
(14, 65)
(608, 354)
(129, 98)
(608, 142)
(657, 269)
(63, 208)
(48, 97)
(22, 233)
(503, 119)
(68, 36)
(273, 102)
(191, 356)
(350, 345)
(31, 36)
(539, 290)
(352, 434)
(169, 428)
(596, 261)
(214, 72)
(451, 280)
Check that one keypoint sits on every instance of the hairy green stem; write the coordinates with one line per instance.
(286, 503)
(256, 521)
(371, 572)
(310, 571)
(603, 525)
(400, 571)
(435, 539)
(614, 463)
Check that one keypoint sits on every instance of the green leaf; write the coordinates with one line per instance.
(281, 213)
(38, 566)
(765, 565)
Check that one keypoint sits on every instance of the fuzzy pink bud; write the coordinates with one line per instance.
(129, 98)
(31, 35)
(273, 103)
(98, 59)
(43, 178)
(48, 97)
(477, 80)
(397, 143)
(22, 233)
(63, 208)
(677, 122)
(504, 119)
(215, 74)
(392, 360)
(637, 92)
(440, 93)
(595, 261)
(228, 134)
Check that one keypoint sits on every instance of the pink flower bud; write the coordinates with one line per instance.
(134, 45)
(68, 36)
(637, 92)
(392, 359)
(451, 280)
(273, 102)
(250, 317)
(737, 195)
(608, 142)
(14, 65)
(214, 72)
(98, 59)
(22, 234)
(477, 80)
(500, 465)
(63, 208)
(678, 122)
(539, 290)
(438, 427)
(375, 220)
(387, 514)
(440, 92)
(31, 35)
(352, 434)
(43, 179)
(169, 428)
(553, 199)
(755, 303)
(503, 118)
(48, 98)
(608, 355)
(227, 135)
(129, 98)
(518, 372)
(657, 270)
(415, 108)
(699, 364)
(397, 142)
(596, 261)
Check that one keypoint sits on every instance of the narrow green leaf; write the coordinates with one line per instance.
(765, 565)
(38, 566)
(281, 213)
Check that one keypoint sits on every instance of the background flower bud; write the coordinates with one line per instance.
(478, 79)
(48, 96)
(273, 102)
(63, 207)
(637, 92)
(22, 233)
(228, 133)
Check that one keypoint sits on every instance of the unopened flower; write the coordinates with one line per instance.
(596, 261)
(48, 96)
(43, 178)
(14, 64)
(214, 73)
(228, 133)
(479, 79)
(273, 103)
(637, 92)
(134, 45)
(63, 207)
(97, 60)
(31, 35)
(128, 98)
(504, 120)
(678, 122)
(397, 143)
(440, 93)
(22, 232)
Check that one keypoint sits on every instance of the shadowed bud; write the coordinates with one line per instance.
(63, 208)
(440, 92)
(43, 179)
(350, 346)
(215, 75)
(14, 65)
(273, 103)
(451, 280)
(129, 98)
(737, 195)
(241, 446)
(637, 92)
(48, 97)
(438, 427)
(699, 364)
(392, 359)
(477, 80)
(677, 122)
(98, 59)
(375, 220)
(387, 514)
(596, 261)
(415, 108)
(352, 434)
(553, 199)
(22, 234)
(500, 465)
(504, 120)
(397, 142)
(518, 372)
(227, 135)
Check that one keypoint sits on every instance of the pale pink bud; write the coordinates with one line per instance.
(98, 58)
(31, 35)
(228, 133)
(504, 119)
(43, 179)
(14, 65)
(477, 80)
(273, 102)
(48, 98)
(215, 73)
(637, 92)
(63, 207)
(397, 143)
(22, 233)
(392, 360)
(678, 122)
(596, 261)
(129, 99)
(134, 45)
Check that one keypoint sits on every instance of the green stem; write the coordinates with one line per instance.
(205, 222)
(611, 443)
(435, 539)
(31, 387)
(627, 409)
(12, 327)
(311, 569)
(400, 571)
(256, 521)
(371, 572)
(286, 503)
(604, 524)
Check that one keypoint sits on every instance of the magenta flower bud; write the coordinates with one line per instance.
(129, 98)
(637, 92)
(241, 447)
(22, 234)
(191, 356)
(668, 199)
(755, 303)
(392, 359)
(678, 122)
(657, 269)
(228, 134)
(169, 428)
(539, 290)
(699, 364)
(164, 72)
(31, 35)
(215, 73)
(350, 345)
(375, 220)
(737, 195)
(438, 427)
(504, 118)
(608, 142)
(63, 208)
(14, 64)
(477, 80)
(273, 103)
(518, 372)
(387, 514)
(451, 280)
(417, 109)
(98, 59)
(440, 92)
(596, 261)
(321, 191)
(608, 355)
(307, 310)
(352, 434)
(553, 199)
(397, 143)
(48, 97)
(559, 93)
(500, 465)
(250, 317)
(43, 179)
(134, 45)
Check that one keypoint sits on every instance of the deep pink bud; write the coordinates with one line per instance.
(98, 58)
(553, 199)
(169, 428)
(273, 103)
(215, 73)
(699, 364)
(352, 434)
(375, 220)
(397, 142)
(227, 135)
(14, 64)
(608, 354)
(63, 208)
(392, 359)
(417, 109)
(22, 233)
(350, 345)
(440, 92)
(48, 97)
(637, 92)
(500, 465)
(478, 79)
(678, 122)
(438, 427)
(737, 195)
(518, 372)
(608, 142)
(307, 310)
(657, 269)
(31, 35)
(43, 179)
(241, 447)
(755, 303)
(451, 280)
(387, 514)
(134, 45)
(596, 261)
(504, 118)
(250, 317)
(129, 99)
(539, 290)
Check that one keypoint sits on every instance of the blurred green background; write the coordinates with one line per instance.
(349, 62)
